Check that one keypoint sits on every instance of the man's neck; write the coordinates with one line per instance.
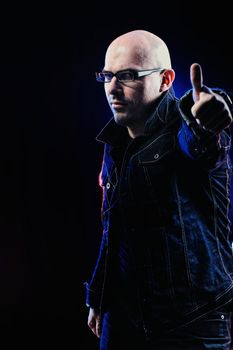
(136, 131)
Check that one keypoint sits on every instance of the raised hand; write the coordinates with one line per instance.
(210, 109)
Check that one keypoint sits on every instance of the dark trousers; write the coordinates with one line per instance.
(213, 331)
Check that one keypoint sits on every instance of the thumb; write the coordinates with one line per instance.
(196, 80)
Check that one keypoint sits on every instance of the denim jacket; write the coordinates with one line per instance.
(168, 194)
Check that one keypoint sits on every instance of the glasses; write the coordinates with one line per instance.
(124, 76)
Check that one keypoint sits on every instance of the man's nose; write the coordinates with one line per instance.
(114, 86)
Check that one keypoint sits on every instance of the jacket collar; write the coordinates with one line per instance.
(115, 134)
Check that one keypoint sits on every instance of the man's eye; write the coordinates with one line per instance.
(108, 76)
(126, 76)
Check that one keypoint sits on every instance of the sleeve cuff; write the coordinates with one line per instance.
(92, 297)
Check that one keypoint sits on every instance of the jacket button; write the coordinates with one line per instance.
(108, 185)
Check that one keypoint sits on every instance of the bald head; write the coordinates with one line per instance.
(132, 100)
(140, 48)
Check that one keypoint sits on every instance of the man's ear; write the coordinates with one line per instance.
(167, 78)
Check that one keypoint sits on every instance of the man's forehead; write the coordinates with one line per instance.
(124, 57)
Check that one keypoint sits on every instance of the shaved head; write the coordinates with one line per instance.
(144, 49)
(133, 101)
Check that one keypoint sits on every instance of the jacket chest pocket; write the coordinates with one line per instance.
(154, 166)
(158, 150)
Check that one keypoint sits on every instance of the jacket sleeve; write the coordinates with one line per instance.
(94, 288)
(198, 143)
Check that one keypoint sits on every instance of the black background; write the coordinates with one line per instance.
(51, 111)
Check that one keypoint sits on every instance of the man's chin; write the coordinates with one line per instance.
(120, 119)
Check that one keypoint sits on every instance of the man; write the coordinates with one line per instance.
(163, 279)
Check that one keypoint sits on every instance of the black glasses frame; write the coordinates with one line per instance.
(125, 75)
